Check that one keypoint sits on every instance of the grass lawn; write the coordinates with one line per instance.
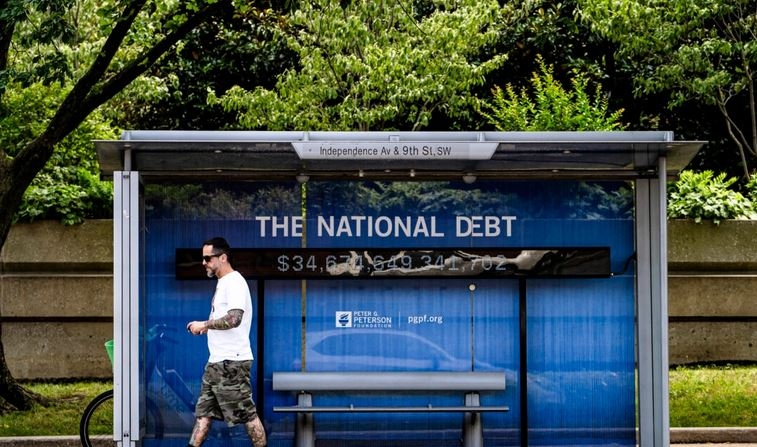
(724, 396)
(713, 396)
(61, 418)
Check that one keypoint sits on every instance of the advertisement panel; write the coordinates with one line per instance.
(534, 279)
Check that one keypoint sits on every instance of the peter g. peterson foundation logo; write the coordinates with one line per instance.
(361, 319)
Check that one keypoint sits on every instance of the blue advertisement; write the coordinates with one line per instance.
(532, 281)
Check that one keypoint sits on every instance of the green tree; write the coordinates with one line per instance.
(701, 51)
(91, 51)
(378, 65)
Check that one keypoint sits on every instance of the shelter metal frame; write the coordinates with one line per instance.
(648, 159)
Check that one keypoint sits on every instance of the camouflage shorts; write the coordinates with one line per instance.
(226, 393)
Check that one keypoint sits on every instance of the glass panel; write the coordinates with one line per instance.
(496, 343)
(581, 362)
(172, 360)
(579, 332)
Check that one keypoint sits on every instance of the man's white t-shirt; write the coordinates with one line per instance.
(232, 292)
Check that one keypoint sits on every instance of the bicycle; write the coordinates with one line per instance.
(96, 424)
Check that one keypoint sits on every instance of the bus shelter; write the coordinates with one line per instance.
(532, 265)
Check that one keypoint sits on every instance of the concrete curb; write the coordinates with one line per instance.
(697, 435)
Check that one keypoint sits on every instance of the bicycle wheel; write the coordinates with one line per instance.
(96, 426)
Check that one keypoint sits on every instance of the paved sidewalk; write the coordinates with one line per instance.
(41, 441)
(679, 437)
(73, 441)
(713, 435)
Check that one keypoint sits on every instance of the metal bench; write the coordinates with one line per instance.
(470, 383)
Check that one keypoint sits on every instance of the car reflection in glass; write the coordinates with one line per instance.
(380, 350)
(352, 349)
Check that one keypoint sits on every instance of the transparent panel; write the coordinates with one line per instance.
(576, 334)
(581, 362)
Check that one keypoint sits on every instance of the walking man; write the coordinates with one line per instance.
(226, 392)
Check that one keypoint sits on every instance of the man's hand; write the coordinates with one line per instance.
(197, 327)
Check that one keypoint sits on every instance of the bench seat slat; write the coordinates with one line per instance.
(427, 409)
(389, 381)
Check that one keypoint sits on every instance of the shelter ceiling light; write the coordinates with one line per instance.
(302, 177)
(469, 178)
(412, 173)
(360, 173)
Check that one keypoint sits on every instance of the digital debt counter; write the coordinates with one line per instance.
(498, 288)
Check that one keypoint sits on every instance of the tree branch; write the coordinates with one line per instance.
(92, 90)
(733, 130)
(138, 66)
(6, 34)
(752, 103)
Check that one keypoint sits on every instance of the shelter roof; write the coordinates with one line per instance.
(252, 155)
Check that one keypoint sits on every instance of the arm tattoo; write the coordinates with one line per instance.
(231, 320)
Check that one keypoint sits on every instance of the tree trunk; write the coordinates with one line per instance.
(93, 89)
(12, 395)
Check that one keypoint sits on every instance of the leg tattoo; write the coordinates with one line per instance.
(200, 431)
(256, 432)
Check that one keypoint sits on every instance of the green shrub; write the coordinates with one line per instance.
(69, 188)
(751, 191)
(548, 106)
(68, 194)
(703, 195)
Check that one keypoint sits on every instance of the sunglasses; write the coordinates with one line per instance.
(208, 258)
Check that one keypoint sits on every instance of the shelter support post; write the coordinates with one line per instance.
(652, 310)
(126, 308)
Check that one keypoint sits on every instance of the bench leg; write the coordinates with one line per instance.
(304, 431)
(473, 431)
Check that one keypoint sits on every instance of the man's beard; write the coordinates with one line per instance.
(210, 273)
